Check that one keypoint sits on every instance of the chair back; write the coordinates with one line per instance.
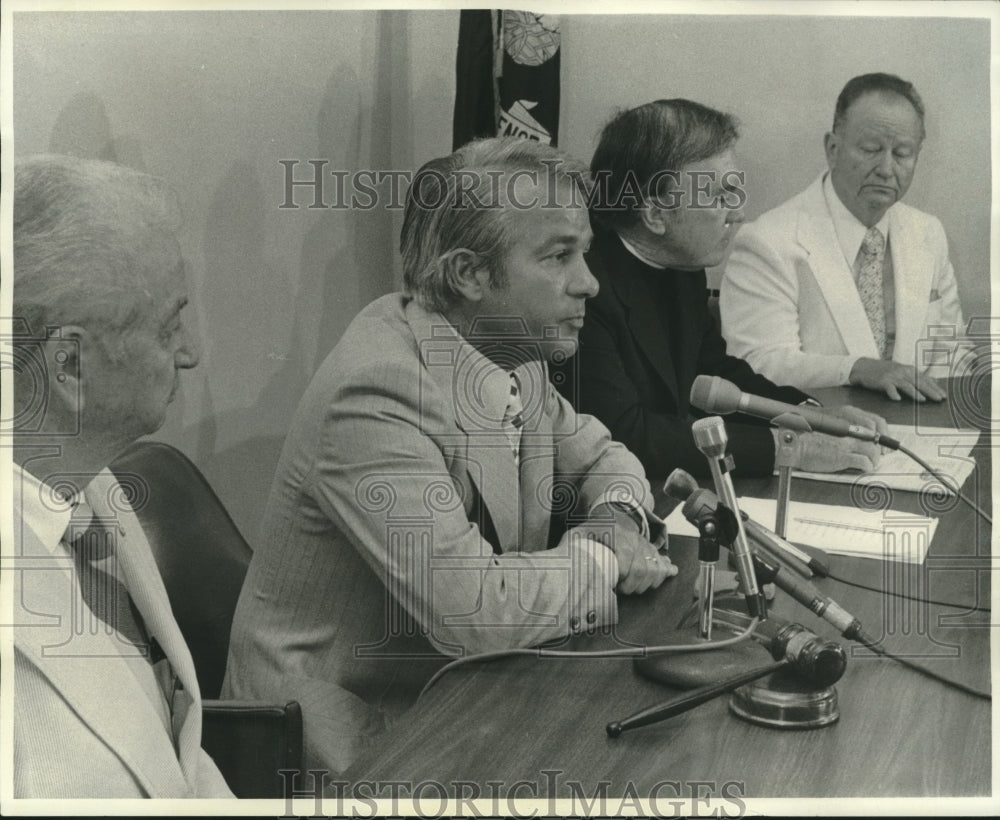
(200, 552)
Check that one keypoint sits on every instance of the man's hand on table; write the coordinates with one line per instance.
(862, 418)
(830, 454)
(893, 378)
(640, 565)
(821, 453)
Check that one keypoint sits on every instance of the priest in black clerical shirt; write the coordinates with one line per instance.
(667, 201)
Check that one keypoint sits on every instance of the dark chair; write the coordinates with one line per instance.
(203, 559)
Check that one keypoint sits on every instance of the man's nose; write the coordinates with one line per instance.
(885, 164)
(188, 354)
(583, 282)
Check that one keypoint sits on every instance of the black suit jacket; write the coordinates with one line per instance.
(628, 374)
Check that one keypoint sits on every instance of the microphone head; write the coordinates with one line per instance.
(680, 485)
(710, 436)
(715, 395)
(699, 503)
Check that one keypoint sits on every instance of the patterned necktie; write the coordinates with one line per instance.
(512, 420)
(872, 258)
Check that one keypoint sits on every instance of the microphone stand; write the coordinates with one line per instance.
(787, 458)
(711, 535)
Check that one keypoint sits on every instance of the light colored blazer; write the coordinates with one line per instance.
(83, 725)
(790, 306)
(398, 530)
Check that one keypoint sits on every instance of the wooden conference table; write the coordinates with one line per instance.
(900, 734)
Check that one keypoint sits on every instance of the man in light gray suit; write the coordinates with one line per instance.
(106, 700)
(411, 513)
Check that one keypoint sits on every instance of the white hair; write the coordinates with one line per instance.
(81, 229)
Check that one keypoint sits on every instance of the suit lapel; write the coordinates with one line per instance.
(624, 272)
(86, 669)
(912, 268)
(145, 585)
(818, 238)
(456, 366)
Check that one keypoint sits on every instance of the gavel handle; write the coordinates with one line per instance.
(662, 711)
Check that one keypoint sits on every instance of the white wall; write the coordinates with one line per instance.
(781, 76)
(213, 100)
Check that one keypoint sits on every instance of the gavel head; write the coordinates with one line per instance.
(816, 660)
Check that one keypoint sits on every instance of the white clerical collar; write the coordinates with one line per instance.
(632, 249)
(850, 231)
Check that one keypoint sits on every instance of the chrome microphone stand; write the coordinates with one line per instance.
(787, 458)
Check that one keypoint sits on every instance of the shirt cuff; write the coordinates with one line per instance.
(844, 376)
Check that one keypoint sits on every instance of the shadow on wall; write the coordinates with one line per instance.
(269, 319)
(346, 262)
(83, 129)
(246, 302)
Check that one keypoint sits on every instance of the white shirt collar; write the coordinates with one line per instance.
(632, 249)
(850, 231)
(47, 510)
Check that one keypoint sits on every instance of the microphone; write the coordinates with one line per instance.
(821, 605)
(800, 589)
(681, 486)
(710, 438)
(716, 395)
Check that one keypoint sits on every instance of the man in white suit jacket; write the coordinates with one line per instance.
(791, 296)
(106, 699)
(407, 520)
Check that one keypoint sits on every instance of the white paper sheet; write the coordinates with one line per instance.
(885, 534)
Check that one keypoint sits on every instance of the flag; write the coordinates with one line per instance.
(507, 76)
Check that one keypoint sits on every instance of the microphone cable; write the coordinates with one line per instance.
(907, 596)
(627, 652)
(869, 642)
(946, 482)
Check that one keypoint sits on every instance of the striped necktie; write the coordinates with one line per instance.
(872, 259)
(512, 420)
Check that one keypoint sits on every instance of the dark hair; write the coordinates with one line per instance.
(876, 83)
(665, 135)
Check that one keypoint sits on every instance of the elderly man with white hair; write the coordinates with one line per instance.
(106, 700)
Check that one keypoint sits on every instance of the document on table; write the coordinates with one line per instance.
(885, 534)
(946, 450)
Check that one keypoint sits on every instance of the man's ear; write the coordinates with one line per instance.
(465, 273)
(655, 218)
(830, 143)
(63, 359)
